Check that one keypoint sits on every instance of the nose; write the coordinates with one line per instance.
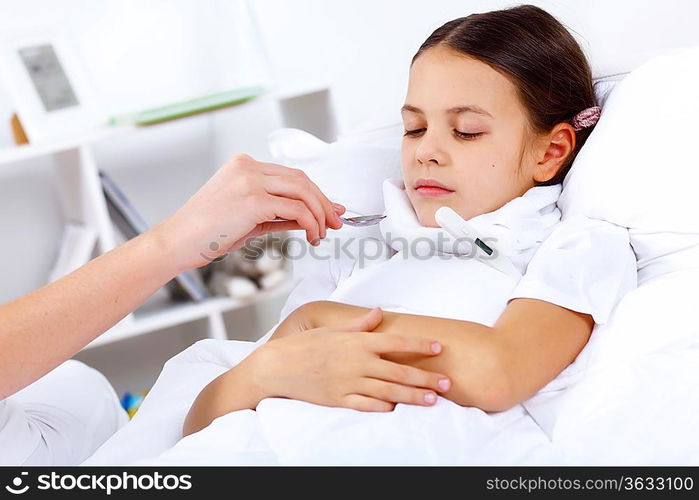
(429, 151)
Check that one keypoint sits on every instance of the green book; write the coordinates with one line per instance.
(189, 107)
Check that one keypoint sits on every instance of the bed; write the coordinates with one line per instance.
(630, 397)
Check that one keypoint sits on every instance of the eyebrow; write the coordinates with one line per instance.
(470, 108)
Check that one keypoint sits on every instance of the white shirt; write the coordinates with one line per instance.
(60, 419)
(586, 265)
(582, 264)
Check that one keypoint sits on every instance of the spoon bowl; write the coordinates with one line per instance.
(358, 221)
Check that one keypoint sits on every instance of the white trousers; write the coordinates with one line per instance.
(60, 419)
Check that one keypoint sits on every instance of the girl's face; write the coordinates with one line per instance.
(465, 130)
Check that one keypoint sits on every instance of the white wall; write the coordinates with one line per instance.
(363, 48)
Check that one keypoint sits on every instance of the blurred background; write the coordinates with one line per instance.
(332, 68)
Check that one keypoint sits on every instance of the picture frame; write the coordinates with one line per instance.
(48, 86)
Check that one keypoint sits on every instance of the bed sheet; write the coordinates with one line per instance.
(637, 403)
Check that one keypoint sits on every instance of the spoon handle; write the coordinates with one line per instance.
(359, 221)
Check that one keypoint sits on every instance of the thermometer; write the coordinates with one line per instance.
(487, 253)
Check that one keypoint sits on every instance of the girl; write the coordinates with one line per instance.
(498, 106)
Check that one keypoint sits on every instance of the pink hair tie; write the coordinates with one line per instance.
(586, 118)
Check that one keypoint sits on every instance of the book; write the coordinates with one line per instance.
(77, 243)
(188, 107)
(130, 222)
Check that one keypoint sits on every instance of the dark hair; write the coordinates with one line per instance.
(538, 54)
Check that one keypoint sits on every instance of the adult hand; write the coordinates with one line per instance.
(237, 203)
(343, 367)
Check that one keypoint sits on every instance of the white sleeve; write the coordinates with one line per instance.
(586, 265)
(60, 419)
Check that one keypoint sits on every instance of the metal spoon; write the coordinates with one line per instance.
(359, 221)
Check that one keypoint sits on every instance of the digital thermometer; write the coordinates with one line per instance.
(487, 253)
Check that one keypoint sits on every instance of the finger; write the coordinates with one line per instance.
(396, 393)
(392, 342)
(365, 403)
(296, 210)
(371, 320)
(365, 323)
(408, 375)
(290, 187)
(279, 170)
(277, 226)
(332, 216)
(333, 210)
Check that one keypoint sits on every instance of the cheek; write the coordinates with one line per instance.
(488, 177)
(484, 181)
(407, 155)
(487, 163)
(474, 166)
(406, 150)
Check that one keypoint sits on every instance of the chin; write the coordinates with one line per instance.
(427, 219)
(424, 214)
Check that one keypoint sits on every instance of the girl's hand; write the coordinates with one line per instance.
(343, 367)
(339, 366)
(236, 205)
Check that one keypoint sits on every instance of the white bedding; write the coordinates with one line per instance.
(637, 404)
(285, 431)
(631, 397)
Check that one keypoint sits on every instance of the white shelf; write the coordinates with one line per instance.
(162, 314)
(15, 154)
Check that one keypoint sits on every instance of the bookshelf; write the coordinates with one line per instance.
(83, 202)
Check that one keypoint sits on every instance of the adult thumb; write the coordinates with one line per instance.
(366, 322)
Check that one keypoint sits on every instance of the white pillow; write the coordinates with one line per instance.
(349, 171)
(639, 167)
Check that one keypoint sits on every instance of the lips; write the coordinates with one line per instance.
(430, 187)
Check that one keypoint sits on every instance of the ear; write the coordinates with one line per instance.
(556, 147)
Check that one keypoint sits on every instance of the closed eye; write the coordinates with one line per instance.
(462, 135)
(467, 136)
(411, 133)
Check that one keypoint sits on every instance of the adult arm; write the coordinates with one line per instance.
(48, 326)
